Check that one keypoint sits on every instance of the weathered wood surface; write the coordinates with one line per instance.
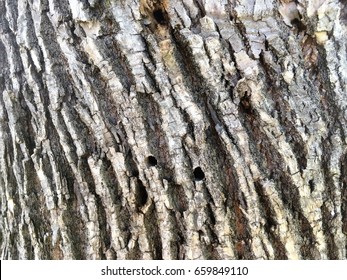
(187, 129)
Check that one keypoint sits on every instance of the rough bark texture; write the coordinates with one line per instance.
(186, 129)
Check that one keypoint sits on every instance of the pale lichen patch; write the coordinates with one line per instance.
(321, 37)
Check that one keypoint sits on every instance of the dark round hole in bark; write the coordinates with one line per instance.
(199, 174)
(152, 161)
(298, 24)
(159, 16)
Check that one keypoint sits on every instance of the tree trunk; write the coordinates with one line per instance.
(187, 129)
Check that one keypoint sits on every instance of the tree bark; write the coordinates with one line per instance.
(187, 129)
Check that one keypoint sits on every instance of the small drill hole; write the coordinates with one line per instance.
(299, 24)
(159, 16)
(199, 174)
(152, 161)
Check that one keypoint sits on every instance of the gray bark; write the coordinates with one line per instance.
(188, 129)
